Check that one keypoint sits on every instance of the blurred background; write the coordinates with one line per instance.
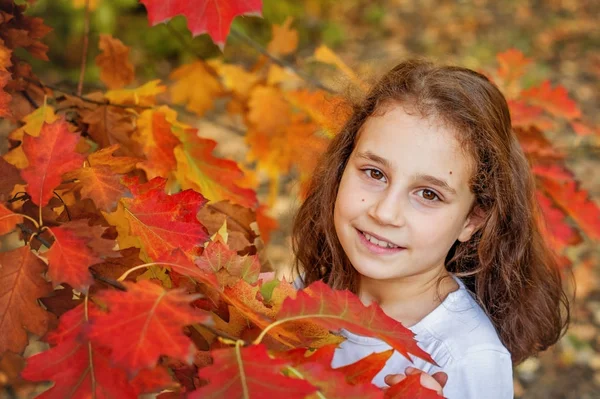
(561, 36)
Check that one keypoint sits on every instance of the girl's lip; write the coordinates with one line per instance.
(378, 237)
(376, 249)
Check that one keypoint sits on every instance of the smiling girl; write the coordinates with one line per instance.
(425, 204)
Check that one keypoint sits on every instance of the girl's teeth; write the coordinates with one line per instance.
(383, 244)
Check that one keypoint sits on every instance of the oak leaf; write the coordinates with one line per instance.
(215, 178)
(249, 373)
(116, 70)
(50, 156)
(158, 223)
(203, 16)
(69, 259)
(21, 284)
(335, 309)
(149, 321)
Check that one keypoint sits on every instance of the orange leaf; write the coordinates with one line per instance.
(148, 321)
(69, 259)
(156, 222)
(268, 111)
(50, 156)
(8, 220)
(99, 184)
(105, 157)
(555, 101)
(284, 40)
(329, 111)
(249, 373)
(555, 229)
(22, 284)
(512, 65)
(144, 95)
(203, 16)
(116, 70)
(195, 87)
(5, 63)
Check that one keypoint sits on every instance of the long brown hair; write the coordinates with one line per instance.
(507, 263)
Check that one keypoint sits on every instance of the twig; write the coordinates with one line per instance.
(113, 283)
(24, 196)
(284, 64)
(63, 202)
(86, 37)
(30, 100)
(221, 334)
(34, 235)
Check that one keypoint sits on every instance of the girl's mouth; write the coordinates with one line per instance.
(376, 245)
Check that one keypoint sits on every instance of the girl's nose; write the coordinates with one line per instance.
(387, 210)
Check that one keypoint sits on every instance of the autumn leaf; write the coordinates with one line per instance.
(555, 101)
(148, 321)
(218, 256)
(5, 98)
(144, 95)
(269, 112)
(195, 87)
(411, 387)
(284, 39)
(329, 111)
(50, 156)
(154, 136)
(235, 77)
(237, 218)
(158, 223)
(81, 369)
(364, 370)
(556, 229)
(512, 65)
(249, 373)
(69, 259)
(8, 220)
(10, 177)
(203, 16)
(200, 170)
(116, 70)
(326, 55)
(109, 125)
(335, 309)
(21, 284)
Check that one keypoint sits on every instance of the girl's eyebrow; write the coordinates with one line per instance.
(443, 184)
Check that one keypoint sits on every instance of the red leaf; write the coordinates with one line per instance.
(50, 156)
(21, 284)
(411, 387)
(364, 370)
(148, 321)
(335, 309)
(249, 373)
(81, 369)
(69, 259)
(512, 65)
(556, 230)
(212, 16)
(556, 101)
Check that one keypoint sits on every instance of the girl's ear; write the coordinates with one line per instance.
(473, 223)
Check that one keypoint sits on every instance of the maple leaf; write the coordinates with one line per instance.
(69, 259)
(269, 112)
(144, 95)
(218, 256)
(329, 111)
(5, 63)
(238, 219)
(10, 177)
(203, 16)
(335, 309)
(512, 65)
(100, 181)
(364, 370)
(556, 230)
(21, 284)
(82, 369)
(8, 220)
(50, 156)
(249, 373)
(107, 125)
(411, 387)
(284, 40)
(215, 178)
(154, 135)
(158, 223)
(195, 87)
(149, 321)
(116, 70)
(235, 77)
(575, 203)
(556, 101)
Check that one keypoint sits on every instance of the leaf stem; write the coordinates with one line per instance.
(37, 226)
(275, 324)
(238, 355)
(221, 333)
(91, 360)
(124, 275)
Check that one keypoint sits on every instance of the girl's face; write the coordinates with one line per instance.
(404, 197)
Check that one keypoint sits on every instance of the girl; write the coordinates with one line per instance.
(425, 204)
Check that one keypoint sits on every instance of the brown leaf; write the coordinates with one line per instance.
(116, 70)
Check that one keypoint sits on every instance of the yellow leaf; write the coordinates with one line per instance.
(195, 87)
(278, 75)
(144, 95)
(324, 54)
(120, 220)
(328, 110)
(284, 40)
(116, 70)
(93, 4)
(235, 78)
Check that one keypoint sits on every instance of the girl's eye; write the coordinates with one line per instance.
(430, 195)
(375, 174)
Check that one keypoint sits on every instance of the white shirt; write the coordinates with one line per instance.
(459, 337)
